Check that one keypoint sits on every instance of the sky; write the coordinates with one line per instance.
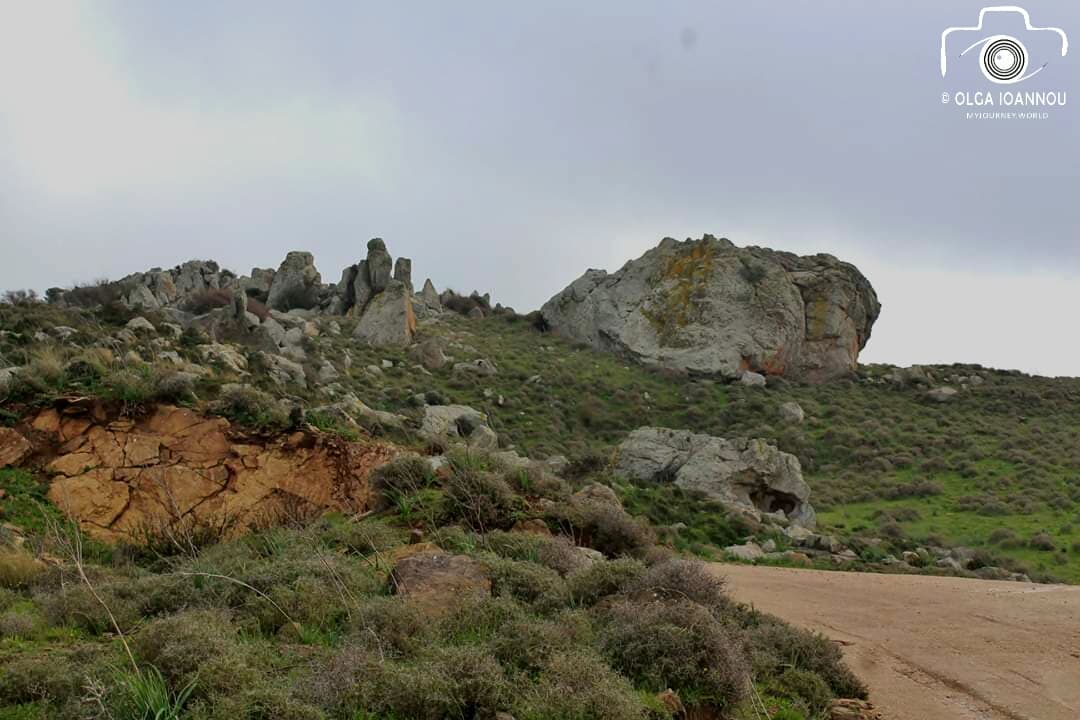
(508, 147)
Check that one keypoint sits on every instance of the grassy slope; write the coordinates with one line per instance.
(882, 460)
(1002, 456)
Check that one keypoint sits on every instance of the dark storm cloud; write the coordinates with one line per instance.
(508, 146)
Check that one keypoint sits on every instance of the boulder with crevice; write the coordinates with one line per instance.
(749, 476)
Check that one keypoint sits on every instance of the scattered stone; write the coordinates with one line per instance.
(226, 355)
(430, 353)
(598, 492)
(792, 412)
(480, 367)
(328, 373)
(437, 581)
(752, 379)
(748, 552)
(769, 545)
(942, 394)
(140, 324)
(849, 709)
(14, 448)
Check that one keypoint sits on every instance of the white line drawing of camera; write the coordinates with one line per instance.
(1003, 59)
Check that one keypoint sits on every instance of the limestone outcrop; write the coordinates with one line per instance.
(708, 306)
(749, 476)
(121, 477)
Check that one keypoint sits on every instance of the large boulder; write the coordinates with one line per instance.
(749, 476)
(450, 424)
(296, 284)
(388, 319)
(711, 307)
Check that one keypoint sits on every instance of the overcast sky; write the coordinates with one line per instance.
(508, 146)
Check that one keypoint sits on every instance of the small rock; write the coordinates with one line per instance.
(942, 394)
(769, 545)
(140, 324)
(749, 551)
(752, 379)
(480, 367)
(792, 412)
(14, 448)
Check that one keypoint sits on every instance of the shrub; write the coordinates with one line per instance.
(98, 293)
(258, 309)
(578, 685)
(482, 500)
(47, 673)
(203, 301)
(388, 627)
(194, 644)
(678, 578)
(810, 692)
(527, 643)
(16, 625)
(526, 581)
(75, 606)
(249, 406)
(454, 682)
(604, 526)
(18, 569)
(775, 646)
(675, 644)
(402, 476)
(1042, 541)
(604, 578)
(369, 536)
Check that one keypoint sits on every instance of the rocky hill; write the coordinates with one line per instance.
(262, 471)
(264, 496)
(708, 306)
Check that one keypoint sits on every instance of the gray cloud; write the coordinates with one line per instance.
(508, 146)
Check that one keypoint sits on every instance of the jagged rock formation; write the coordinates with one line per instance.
(296, 284)
(711, 307)
(120, 477)
(749, 476)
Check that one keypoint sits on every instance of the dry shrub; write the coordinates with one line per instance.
(258, 309)
(578, 685)
(16, 625)
(402, 476)
(604, 526)
(680, 578)
(604, 578)
(676, 644)
(775, 646)
(480, 499)
(526, 581)
(97, 293)
(18, 569)
(203, 301)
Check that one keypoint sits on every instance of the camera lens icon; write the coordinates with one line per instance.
(1003, 59)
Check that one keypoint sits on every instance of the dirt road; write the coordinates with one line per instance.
(935, 648)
